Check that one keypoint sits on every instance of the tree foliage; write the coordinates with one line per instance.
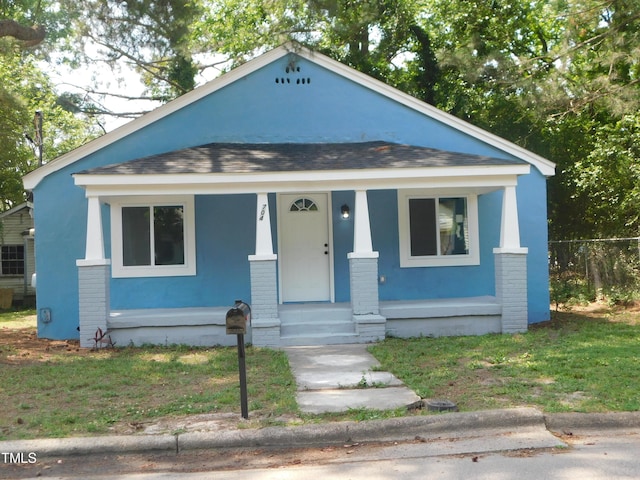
(25, 89)
(380, 38)
(151, 36)
(609, 176)
(19, 145)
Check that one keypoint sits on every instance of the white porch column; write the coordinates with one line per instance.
(265, 322)
(94, 249)
(363, 275)
(264, 242)
(511, 267)
(94, 274)
(510, 227)
(361, 227)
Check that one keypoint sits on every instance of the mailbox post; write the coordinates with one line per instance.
(237, 318)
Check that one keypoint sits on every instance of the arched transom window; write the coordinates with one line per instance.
(303, 205)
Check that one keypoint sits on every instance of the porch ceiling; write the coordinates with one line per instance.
(241, 168)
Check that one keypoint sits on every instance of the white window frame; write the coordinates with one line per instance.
(187, 269)
(439, 260)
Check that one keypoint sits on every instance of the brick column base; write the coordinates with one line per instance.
(363, 279)
(511, 289)
(265, 322)
(93, 299)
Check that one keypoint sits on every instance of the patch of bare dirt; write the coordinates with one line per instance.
(593, 309)
(22, 346)
(205, 422)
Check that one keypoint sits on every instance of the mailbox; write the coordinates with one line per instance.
(237, 318)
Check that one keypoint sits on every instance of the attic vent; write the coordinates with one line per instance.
(293, 76)
(296, 81)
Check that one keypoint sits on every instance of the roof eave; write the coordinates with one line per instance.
(545, 166)
(17, 208)
(480, 177)
(32, 179)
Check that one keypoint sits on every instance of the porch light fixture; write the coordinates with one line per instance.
(344, 211)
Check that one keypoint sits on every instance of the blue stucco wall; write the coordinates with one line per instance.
(532, 211)
(257, 109)
(225, 236)
(429, 282)
(342, 244)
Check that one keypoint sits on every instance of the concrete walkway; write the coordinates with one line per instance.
(337, 378)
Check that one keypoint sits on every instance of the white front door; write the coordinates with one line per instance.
(304, 253)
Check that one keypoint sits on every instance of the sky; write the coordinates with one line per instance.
(122, 82)
(72, 81)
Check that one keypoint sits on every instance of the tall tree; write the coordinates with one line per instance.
(608, 179)
(595, 86)
(62, 131)
(556, 77)
(151, 36)
(25, 89)
(380, 38)
(169, 42)
(31, 36)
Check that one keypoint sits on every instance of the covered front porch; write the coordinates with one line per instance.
(309, 324)
(280, 318)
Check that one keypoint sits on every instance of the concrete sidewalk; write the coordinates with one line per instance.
(451, 425)
(337, 378)
(516, 428)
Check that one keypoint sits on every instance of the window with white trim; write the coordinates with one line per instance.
(437, 230)
(153, 237)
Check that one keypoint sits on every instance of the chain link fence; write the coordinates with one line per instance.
(600, 269)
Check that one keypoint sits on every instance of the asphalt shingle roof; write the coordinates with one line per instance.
(283, 157)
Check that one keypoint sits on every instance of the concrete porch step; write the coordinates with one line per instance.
(316, 328)
(318, 339)
(314, 313)
(316, 324)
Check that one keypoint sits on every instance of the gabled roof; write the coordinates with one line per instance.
(16, 209)
(240, 158)
(546, 167)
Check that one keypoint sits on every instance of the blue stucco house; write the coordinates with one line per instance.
(341, 209)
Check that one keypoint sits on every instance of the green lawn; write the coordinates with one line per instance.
(60, 390)
(576, 363)
(586, 362)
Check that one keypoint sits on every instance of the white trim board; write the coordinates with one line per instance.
(477, 179)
